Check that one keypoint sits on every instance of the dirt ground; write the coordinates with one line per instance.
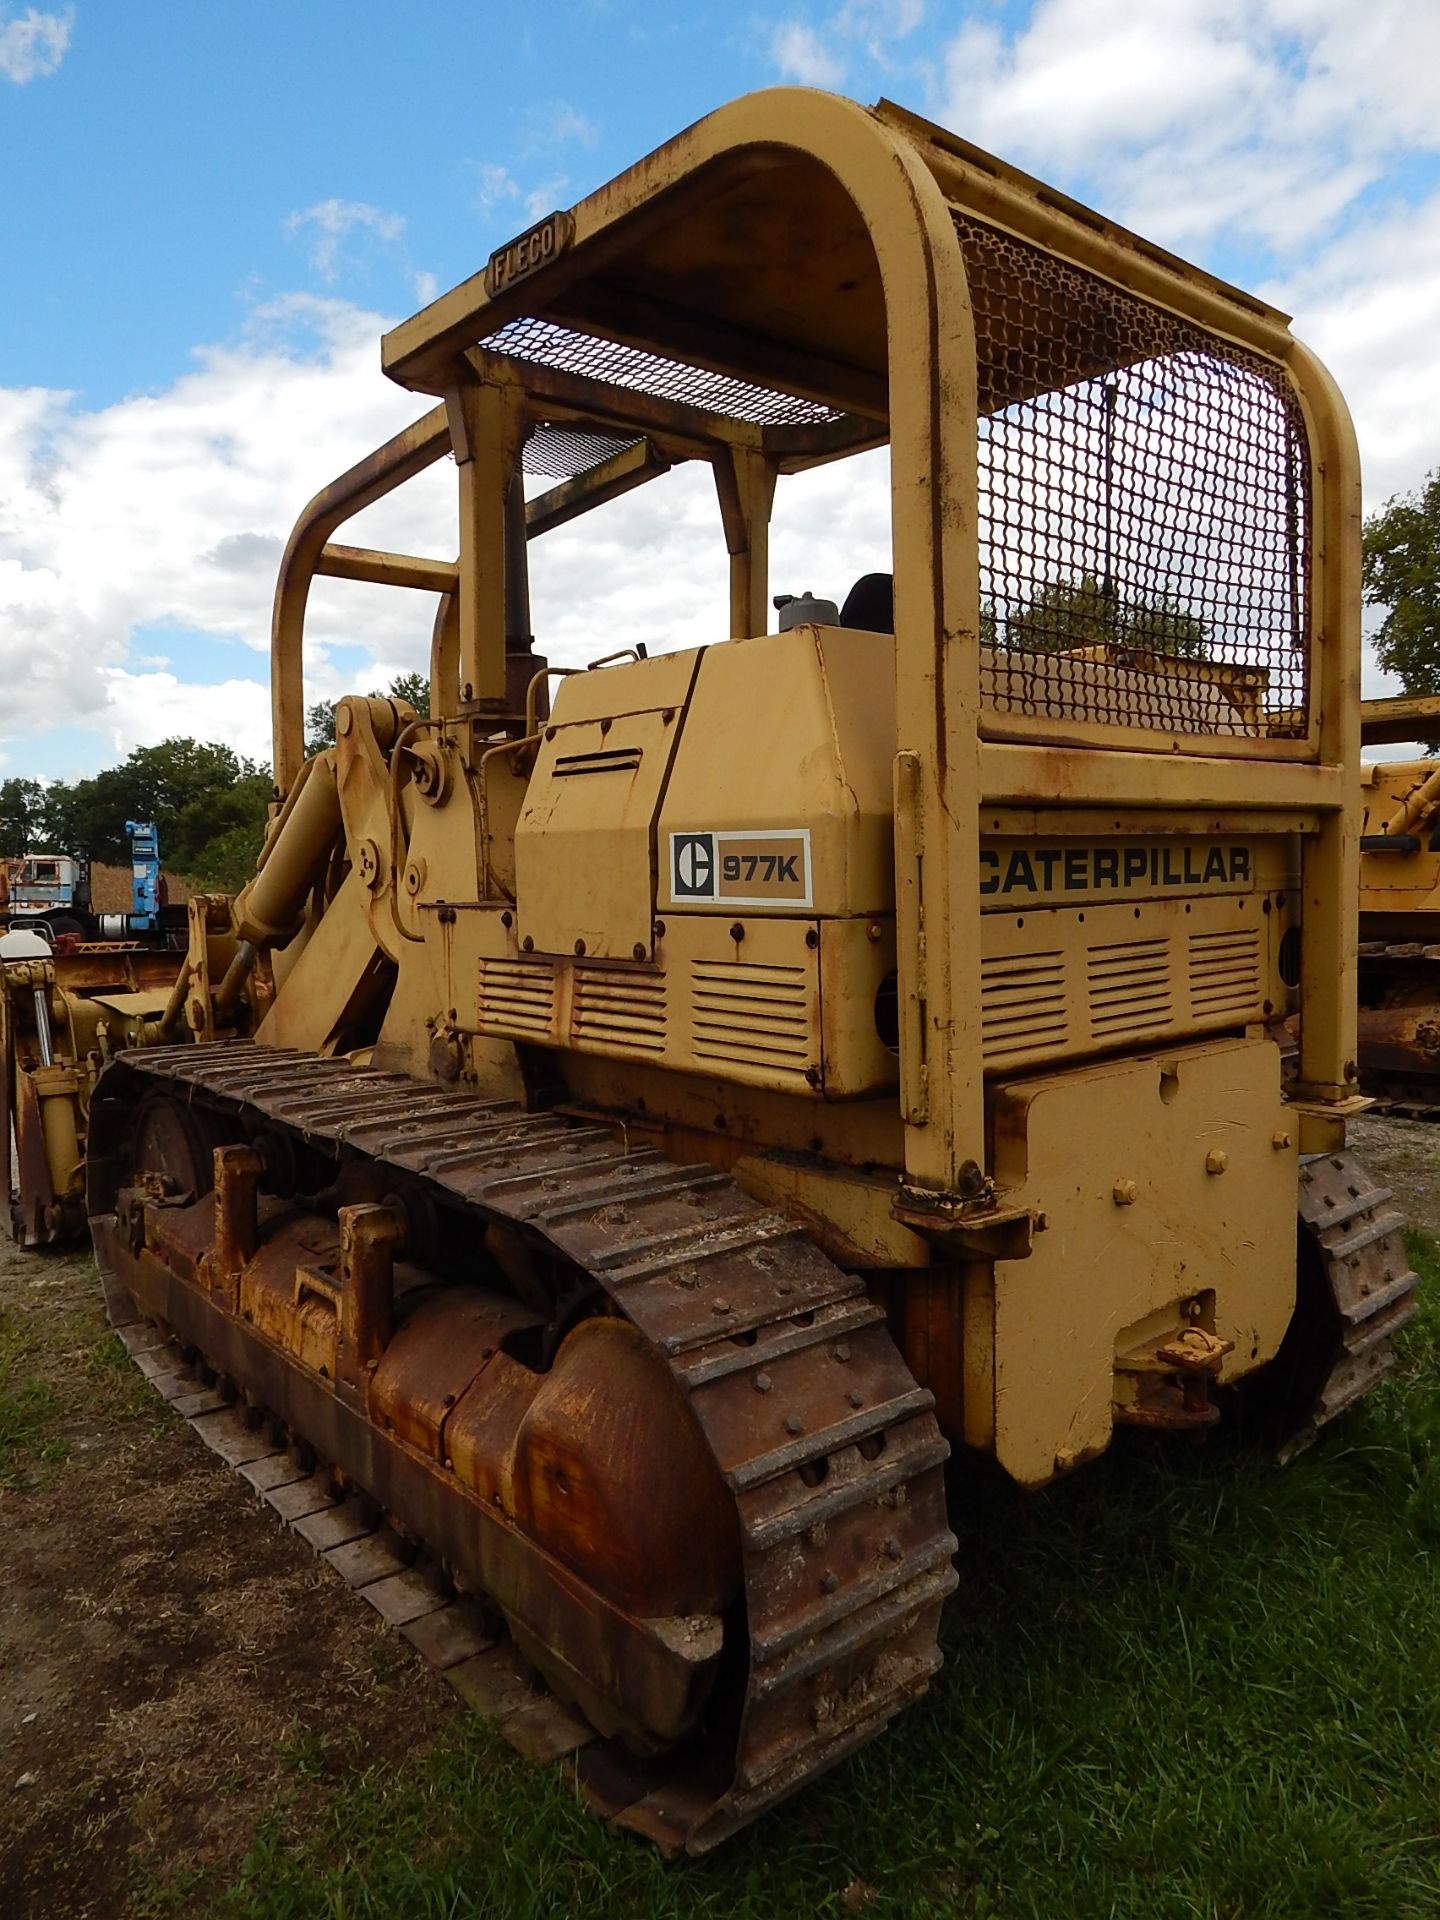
(1405, 1155)
(173, 1660)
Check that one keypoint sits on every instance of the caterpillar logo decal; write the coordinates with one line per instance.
(1029, 871)
(767, 869)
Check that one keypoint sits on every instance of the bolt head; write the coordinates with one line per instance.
(1216, 1160)
(1125, 1193)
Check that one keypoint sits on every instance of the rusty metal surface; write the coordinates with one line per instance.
(449, 1633)
(831, 1454)
(433, 1361)
(1398, 1034)
(1356, 1233)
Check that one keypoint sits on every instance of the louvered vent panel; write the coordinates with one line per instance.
(517, 996)
(620, 1010)
(1023, 1008)
(1225, 973)
(1129, 984)
(749, 1015)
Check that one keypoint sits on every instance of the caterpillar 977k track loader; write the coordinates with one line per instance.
(636, 1139)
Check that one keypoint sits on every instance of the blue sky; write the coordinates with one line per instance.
(209, 212)
(153, 177)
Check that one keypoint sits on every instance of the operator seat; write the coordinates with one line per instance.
(870, 604)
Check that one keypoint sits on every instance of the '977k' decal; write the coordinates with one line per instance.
(769, 869)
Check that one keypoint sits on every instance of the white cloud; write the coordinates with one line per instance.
(34, 44)
(877, 24)
(1369, 304)
(545, 197)
(170, 509)
(497, 188)
(494, 186)
(800, 54)
(329, 221)
(861, 29)
(1261, 119)
(561, 124)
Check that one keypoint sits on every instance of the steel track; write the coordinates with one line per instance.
(829, 1449)
(1372, 1289)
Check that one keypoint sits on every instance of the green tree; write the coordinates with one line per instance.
(22, 804)
(319, 727)
(193, 790)
(1080, 613)
(225, 863)
(320, 718)
(414, 687)
(1401, 572)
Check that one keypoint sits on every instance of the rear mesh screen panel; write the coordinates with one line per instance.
(1144, 508)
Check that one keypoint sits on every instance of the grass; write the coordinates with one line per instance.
(1183, 1684)
(60, 1369)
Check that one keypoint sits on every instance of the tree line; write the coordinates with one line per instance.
(207, 801)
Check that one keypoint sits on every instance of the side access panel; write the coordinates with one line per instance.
(1161, 1181)
(585, 843)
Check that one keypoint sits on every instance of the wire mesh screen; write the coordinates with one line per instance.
(1144, 508)
(547, 344)
(565, 452)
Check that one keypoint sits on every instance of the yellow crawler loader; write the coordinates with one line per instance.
(635, 1138)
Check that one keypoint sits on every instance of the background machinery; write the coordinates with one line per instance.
(63, 1011)
(636, 1140)
(51, 893)
(1399, 955)
(47, 892)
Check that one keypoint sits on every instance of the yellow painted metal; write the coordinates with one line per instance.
(485, 434)
(595, 791)
(1330, 872)
(399, 460)
(1400, 718)
(1145, 1230)
(1400, 797)
(745, 480)
(794, 730)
